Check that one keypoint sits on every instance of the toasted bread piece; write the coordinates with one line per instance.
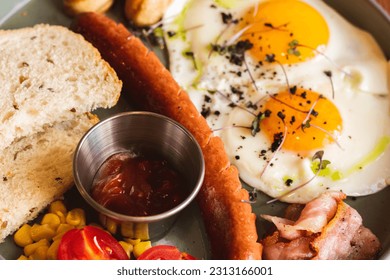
(145, 12)
(36, 170)
(49, 74)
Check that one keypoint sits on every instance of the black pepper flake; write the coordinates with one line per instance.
(328, 73)
(270, 57)
(288, 182)
(293, 120)
(171, 33)
(5, 179)
(234, 53)
(236, 90)
(293, 89)
(281, 115)
(228, 18)
(205, 112)
(267, 113)
(251, 105)
(237, 157)
(278, 139)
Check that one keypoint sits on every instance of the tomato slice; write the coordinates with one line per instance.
(164, 252)
(90, 243)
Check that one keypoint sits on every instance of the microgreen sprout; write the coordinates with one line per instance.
(329, 75)
(317, 156)
(294, 44)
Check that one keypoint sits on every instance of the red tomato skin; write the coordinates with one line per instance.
(90, 243)
(164, 252)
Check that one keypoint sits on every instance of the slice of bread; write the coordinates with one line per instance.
(49, 74)
(36, 170)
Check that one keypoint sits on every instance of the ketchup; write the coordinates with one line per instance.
(137, 185)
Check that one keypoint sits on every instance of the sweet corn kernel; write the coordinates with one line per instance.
(76, 217)
(142, 231)
(127, 230)
(62, 216)
(22, 237)
(111, 226)
(52, 220)
(141, 247)
(39, 232)
(132, 241)
(53, 249)
(40, 253)
(127, 247)
(57, 206)
(30, 249)
(61, 230)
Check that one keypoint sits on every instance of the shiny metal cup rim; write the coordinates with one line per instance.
(137, 219)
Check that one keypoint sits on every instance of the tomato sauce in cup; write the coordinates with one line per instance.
(138, 185)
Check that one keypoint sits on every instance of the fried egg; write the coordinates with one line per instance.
(299, 96)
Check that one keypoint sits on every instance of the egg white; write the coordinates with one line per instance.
(359, 83)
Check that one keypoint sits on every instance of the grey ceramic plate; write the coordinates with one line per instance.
(188, 233)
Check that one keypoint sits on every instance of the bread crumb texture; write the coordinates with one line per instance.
(37, 170)
(50, 79)
(48, 74)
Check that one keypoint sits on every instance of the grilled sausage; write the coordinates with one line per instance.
(229, 222)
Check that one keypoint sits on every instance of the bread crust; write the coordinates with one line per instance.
(229, 222)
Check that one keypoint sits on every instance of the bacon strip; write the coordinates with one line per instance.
(313, 218)
(230, 223)
(327, 229)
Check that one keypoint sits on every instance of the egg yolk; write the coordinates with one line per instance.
(288, 29)
(310, 120)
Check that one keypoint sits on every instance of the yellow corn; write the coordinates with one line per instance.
(127, 230)
(132, 241)
(141, 247)
(53, 249)
(61, 216)
(39, 232)
(57, 206)
(30, 249)
(61, 230)
(40, 253)
(22, 237)
(52, 220)
(76, 217)
(142, 231)
(111, 226)
(127, 247)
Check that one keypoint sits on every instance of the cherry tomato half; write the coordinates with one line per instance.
(165, 252)
(90, 243)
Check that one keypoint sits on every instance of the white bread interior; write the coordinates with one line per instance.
(36, 170)
(49, 74)
(50, 79)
